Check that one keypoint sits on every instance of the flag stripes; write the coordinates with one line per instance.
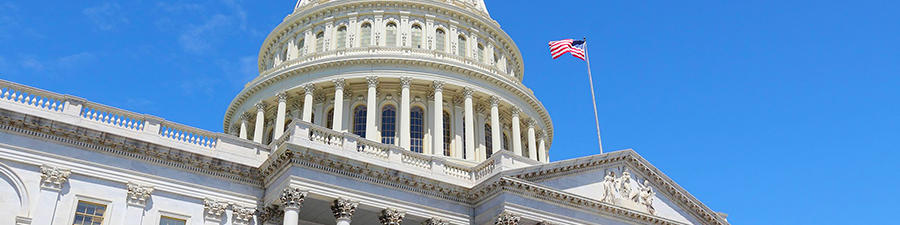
(561, 47)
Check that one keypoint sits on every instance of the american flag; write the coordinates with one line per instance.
(559, 48)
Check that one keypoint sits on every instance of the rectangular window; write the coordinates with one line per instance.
(89, 213)
(171, 221)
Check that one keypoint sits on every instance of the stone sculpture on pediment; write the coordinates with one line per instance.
(627, 192)
(646, 196)
(609, 188)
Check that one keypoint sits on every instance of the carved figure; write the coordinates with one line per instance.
(609, 188)
(646, 197)
(623, 184)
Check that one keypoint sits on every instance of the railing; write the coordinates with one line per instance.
(112, 116)
(188, 134)
(378, 150)
(458, 171)
(484, 170)
(416, 160)
(326, 136)
(31, 96)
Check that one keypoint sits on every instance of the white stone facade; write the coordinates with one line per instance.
(450, 136)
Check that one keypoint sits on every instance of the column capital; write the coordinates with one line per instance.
(372, 81)
(283, 96)
(308, 89)
(514, 111)
(391, 216)
(344, 208)
(468, 92)
(53, 177)
(435, 221)
(293, 197)
(246, 116)
(270, 213)
(215, 210)
(494, 100)
(242, 214)
(339, 83)
(261, 105)
(438, 85)
(405, 82)
(138, 194)
(507, 218)
(539, 133)
(530, 122)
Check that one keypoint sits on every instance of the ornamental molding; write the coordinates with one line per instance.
(114, 144)
(391, 216)
(138, 193)
(53, 177)
(343, 208)
(213, 209)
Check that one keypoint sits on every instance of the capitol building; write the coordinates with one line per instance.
(364, 112)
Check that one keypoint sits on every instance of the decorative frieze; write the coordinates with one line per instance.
(293, 197)
(507, 218)
(138, 193)
(343, 208)
(53, 177)
(435, 221)
(391, 216)
(214, 209)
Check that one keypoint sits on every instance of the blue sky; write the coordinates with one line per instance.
(776, 112)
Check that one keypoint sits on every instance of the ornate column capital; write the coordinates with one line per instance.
(283, 96)
(494, 100)
(530, 122)
(507, 218)
(246, 116)
(215, 210)
(242, 214)
(405, 82)
(271, 213)
(53, 177)
(372, 81)
(435, 221)
(138, 194)
(293, 197)
(344, 208)
(261, 106)
(391, 216)
(308, 89)
(514, 111)
(339, 83)
(438, 86)
(468, 92)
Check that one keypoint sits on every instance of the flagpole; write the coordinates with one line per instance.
(593, 99)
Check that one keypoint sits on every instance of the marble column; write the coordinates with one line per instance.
(458, 132)
(516, 131)
(52, 181)
(343, 210)
(308, 102)
(469, 123)
(438, 141)
(403, 129)
(214, 211)
(391, 216)
(279, 114)
(507, 218)
(496, 132)
(372, 109)
(532, 148)
(338, 104)
(292, 199)
(245, 119)
(137, 201)
(542, 148)
(260, 121)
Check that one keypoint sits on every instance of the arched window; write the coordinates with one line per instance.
(388, 124)
(505, 142)
(365, 36)
(480, 53)
(461, 49)
(416, 129)
(488, 149)
(341, 37)
(391, 34)
(301, 45)
(439, 40)
(329, 120)
(359, 121)
(416, 36)
(320, 42)
(447, 134)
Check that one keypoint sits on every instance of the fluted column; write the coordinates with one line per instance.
(292, 200)
(496, 133)
(52, 181)
(137, 201)
(308, 102)
(404, 112)
(260, 121)
(245, 119)
(214, 211)
(542, 148)
(516, 131)
(532, 149)
(343, 210)
(438, 147)
(372, 109)
(470, 123)
(391, 216)
(338, 104)
(279, 114)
